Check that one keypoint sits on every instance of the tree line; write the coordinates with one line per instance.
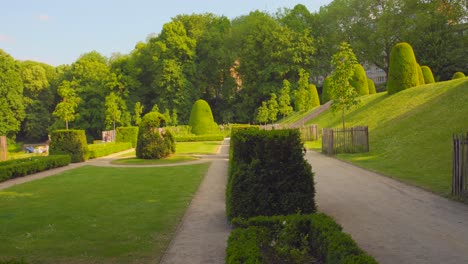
(241, 67)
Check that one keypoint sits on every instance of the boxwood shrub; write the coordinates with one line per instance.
(153, 141)
(71, 142)
(22, 167)
(192, 138)
(313, 238)
(127, 134)
(268, 174)
(104, 149)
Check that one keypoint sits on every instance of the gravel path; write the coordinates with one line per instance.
(392, 221)
(203, 232)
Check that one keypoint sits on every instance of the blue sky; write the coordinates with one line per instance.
(59, 31)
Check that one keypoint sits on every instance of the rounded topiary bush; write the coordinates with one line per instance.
(359, 80)
(326, 96)
(427, 73)
(420, 74)
(458, 75)
(201, 119)
(71, 142)
(314, 97)
(371, 85)
(154, 142)
(402, 71)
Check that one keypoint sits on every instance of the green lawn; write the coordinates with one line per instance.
(170, 160)
(410, 132)
(203, 147)
(294, 117)
(96, 215)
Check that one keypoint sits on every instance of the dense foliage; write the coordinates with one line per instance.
(420, 75)
(326, 89)
(22, 167)
(201, 119)
(371, 85)
(359, 80)
(71, 142)
(268, 174)
(427, 74)
(458, 75)
(154, 142)
(403, 70)
(127, 134)
(104, 149)
(296, 239)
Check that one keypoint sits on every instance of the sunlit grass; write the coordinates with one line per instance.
(174, 159)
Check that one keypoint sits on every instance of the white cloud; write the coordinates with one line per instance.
(6, 38)
(44, 17)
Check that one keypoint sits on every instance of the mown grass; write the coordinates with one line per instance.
(410, 133)
(294, 117)
(202, 147)
(174, 159)
(96, 215)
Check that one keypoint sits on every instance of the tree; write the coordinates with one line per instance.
(262, 113)
(138, 110)
(284, 100)
(402, 73)
(427, 73)
(359, 80)
(153, 142)
(326, 90)
(273, 108)
(313, 97)
(344, 95)
(66, 109)
(113, 111)
(371, 85)
(11, 101)
(300, 95)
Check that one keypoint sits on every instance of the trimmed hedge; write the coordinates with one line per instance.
(371, 85)
(314, 238)
(193, 138)
(314, 97)
(403, 70)
(326, 96)
(427, 74)
(201, 119)
(359, 80)
(22, 167)
(104, 149)
(268, 174)
(458, 75)
(71, 142)
(127, 134)
(153, 141)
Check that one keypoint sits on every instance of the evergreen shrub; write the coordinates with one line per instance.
(359, 80)
(268, 174)
(402, 71)
(458, 75)
(371, 85)
(326, 96)
(127, 134)
(427, 73)
(420, 75)
(201, 119)
(315, 99)
(104, 149)
(22, 167)
(71, 142)
(154, 142)
(314, 238)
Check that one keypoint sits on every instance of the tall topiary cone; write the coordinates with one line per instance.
(201, 118)
(371, 85)
(402, 71)
(458, 75)
(427, 73)
(359, 80)
(315, 99)
(420, 75)
(326, 90)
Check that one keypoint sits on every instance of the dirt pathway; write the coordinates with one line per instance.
(203, 232)
(392, 221)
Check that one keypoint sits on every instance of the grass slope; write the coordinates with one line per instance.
(96, 215)
(410, 132)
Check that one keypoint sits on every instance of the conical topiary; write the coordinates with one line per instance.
(201, 119)
(402, 71)
(458, 75)
(359, 80)
(326, 96)
(314, 97)
(371, 85)
(427, 73)
(420, 75)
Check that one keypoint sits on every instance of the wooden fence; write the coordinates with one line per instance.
(308, 133)
(3, 148)
(460, 165)
(349, 140)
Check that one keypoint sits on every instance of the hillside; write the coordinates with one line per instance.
(410, 133)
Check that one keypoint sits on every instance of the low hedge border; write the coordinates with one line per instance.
(127, 134)
(22, 167)
(104, 149)
(193, 138)
(313, 238)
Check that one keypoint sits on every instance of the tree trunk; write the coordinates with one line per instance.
(66, 124)
(342, 118)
